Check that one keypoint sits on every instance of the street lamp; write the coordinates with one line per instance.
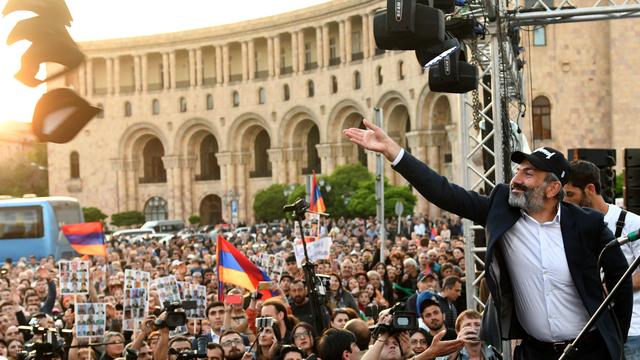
(288, 190)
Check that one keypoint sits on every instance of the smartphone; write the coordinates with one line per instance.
(263, 322)
(264, 285)
(234, 299)
(372, 311)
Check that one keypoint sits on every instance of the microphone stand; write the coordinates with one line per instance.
(600, 310)
(299, 209)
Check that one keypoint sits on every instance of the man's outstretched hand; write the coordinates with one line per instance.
(373, 138)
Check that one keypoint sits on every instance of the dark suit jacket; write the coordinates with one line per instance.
(584, 234)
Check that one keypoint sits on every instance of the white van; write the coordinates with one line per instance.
(164, 226)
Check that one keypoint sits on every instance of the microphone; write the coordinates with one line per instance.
(632, 236)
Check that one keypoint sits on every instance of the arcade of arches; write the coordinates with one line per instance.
(203, 172)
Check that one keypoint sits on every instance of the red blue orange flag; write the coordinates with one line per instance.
(234, 268)
(317, 204)
(86, 238)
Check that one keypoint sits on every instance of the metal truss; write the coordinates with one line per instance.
(543, 12)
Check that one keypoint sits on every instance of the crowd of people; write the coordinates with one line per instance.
(422, 275)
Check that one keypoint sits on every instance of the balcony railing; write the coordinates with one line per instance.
(262, 74)
(235, 78)
(100, 91)
(209, 81)
(127, 89)
(183, 84)
(334, 61)
(310, 66)
(260, 173)
(286, 70)
(153, 180)
(357, 56)
(154, 87)
(206, 177)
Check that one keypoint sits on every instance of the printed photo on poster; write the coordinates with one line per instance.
(91, 319)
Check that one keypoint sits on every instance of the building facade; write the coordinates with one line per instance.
(197, 122)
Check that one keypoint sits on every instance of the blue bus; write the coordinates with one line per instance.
(31, 226)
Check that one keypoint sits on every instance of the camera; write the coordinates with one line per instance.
(176, 315)
(400, 321)
(50, 347)
(198, 350)
(3, 272)
(263, 322)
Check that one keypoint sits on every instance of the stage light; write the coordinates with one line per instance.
(453, 74)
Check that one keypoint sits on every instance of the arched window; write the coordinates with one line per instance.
(183, 104)
(155, 209)
(153, 166)
(357, 81)
(379, 77)
(262, 96)
(334, 84)
(100, 115)
(311, 90)
(74, 165)
(209, 167)
(400, 70)
(155, 107)
(235, 98)
(209, 102)
(127, 109)
(286, 94)
(541, 118)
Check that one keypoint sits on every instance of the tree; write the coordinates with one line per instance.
(127, 218)
(268, 203)
(194, 219)
(26, 173)
(92, 214)
(363, 202)
(344, 183)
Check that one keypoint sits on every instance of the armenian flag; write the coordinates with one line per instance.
(234, 268)
(317, 204)
(86, 238)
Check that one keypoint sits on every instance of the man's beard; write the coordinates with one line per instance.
(585, 202)
(531, 200)
(432, 327)
(234, 354)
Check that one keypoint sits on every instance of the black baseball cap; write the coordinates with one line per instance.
(546, 159)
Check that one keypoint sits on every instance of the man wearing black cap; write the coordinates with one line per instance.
(541, 253)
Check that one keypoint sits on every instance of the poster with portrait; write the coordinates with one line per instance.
(135, 298)
(197, 296)
(73, 277)
(167, 289)
(91, 319)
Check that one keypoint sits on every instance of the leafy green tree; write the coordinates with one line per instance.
(620, 185)
(344, 181)
(127, 218)
(194, 219)
(363, 202)
(268, 203)
(92, 214)
(26, 173)
(299, 191)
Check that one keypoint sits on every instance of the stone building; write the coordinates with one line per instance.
(197, 122)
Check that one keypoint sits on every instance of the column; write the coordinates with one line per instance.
(144, 64)
(270, 58)
(120, 166)
(251, 49)
(294, 51)
(225, 160)
(171, 164)
(341, 45)
(319, 41)
(245, 61)
(294, 161)
(276, 55)
(226, 67)
(109, 64)
(165, 70)
(344, 153)
(137, 73)
(327, 159)
(82, 78)
(188, 166)
(219, 77)
(192, 67)
(132, 184)
(90, 77)
(116, 75)
(279, 166)
(301, 57)
(172, 69)
(242, 165)
(365, 36)
(369, 35)
(347, 39)
(199, 72)
(325, 44)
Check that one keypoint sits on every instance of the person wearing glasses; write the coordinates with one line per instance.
(303, 338)
(233, 346)
(418, 341)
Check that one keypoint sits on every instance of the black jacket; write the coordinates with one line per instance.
(584, 234)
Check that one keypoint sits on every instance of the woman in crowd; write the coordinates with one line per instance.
(418, 341)
(268, 344)
(303, 338)
(339, 297)
(13, 348)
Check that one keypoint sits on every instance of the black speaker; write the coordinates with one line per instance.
(632, 180)
(408, 27)
(631, 157)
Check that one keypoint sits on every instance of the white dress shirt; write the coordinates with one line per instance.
(631, 251)
(546, 300)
